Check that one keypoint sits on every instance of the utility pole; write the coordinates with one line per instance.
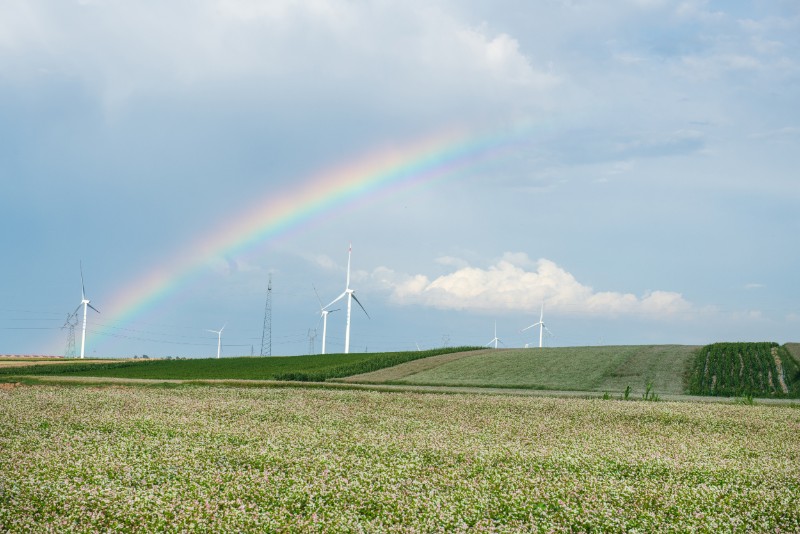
(266, 332)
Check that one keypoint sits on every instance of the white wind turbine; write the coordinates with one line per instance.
(541, 326)
(219, 337)
(323, 313)
(495, 340)
(85, 304)
(350, 293)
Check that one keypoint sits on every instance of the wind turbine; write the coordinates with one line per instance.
(496, 339)
(350, 293)
(323, 313)
(541, 326)
(85, 304)
(219, 337)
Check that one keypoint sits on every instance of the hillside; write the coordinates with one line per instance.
(794, 350)
(610, 368)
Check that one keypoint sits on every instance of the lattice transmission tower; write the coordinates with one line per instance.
(70, 324)
(266, 333)
(312, 341)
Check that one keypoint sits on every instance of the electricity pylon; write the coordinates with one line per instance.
(266, 332)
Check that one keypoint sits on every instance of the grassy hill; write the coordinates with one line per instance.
(794, 350)
(302, 368)
(755, 369)
(611, 369)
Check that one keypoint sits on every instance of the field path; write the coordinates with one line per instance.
(779, 368)
(398, 372)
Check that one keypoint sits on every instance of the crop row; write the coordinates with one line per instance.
(753, 369)
(322, 460)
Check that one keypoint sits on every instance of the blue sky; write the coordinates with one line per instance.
(652, 198)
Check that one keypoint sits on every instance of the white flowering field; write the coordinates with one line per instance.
(323, 460)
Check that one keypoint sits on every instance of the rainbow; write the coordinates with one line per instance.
(380, 173)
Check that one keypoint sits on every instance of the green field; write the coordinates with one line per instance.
(754, 369)
(599, 369)
(736, 369)
(794, 351)
(301, 368)
(116, 459)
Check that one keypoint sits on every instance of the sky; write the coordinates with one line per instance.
(628, 166)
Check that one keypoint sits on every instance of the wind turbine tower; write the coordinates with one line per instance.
(541, 326)
(323, 314)
(495, 340)
(85, 304)
(350, 293)
(219, 338)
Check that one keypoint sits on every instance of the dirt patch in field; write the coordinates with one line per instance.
(404, 370)
(779, 368)
(9, 385)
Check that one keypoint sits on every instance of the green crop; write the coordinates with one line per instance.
(744, 369)
(301, 368)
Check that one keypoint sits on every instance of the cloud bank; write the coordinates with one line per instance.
(516, 283)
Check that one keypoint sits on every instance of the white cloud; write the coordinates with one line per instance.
(323, 260)
(509, 285)
(121, 50)
(450, 261)
(777, 133)
(753, 285)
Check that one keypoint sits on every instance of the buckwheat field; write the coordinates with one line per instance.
(300, 459)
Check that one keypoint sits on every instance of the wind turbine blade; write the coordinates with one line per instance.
(317, 294)
(83, 288)
(362, 307)
(349, 254)
(489, 343)
(76, 309)
(223, 327)
(548, 331)
(336, 299)
(529, 327)
(92, 307)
